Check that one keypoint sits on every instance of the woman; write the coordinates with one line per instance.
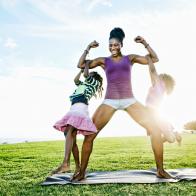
(119, 95)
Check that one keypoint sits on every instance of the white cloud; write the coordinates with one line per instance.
(107, 3)
(95, 3)
(73, 19)
(10, 43)
(10, 3)
(60, 10)
(79, 24)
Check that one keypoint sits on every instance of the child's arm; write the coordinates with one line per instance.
(86, 69)
(77, 77)
(152, 70)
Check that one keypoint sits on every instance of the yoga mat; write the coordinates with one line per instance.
(124, 176)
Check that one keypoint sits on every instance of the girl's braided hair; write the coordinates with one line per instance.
(96, 76)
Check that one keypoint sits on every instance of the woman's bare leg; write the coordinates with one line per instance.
(100, 118)
(140, 114)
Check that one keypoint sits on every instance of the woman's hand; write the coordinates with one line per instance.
(140, 39)
(93, 44)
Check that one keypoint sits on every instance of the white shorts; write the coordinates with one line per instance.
(120, 104)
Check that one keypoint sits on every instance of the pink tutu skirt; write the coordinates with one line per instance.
(78, 117)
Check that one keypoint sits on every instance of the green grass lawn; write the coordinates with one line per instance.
(24, 166)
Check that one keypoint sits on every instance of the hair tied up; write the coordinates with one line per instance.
(117, 33)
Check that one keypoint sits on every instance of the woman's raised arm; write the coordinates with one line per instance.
(143, 59)
(93, 63)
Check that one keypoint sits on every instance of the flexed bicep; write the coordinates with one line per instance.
(138, 59)
(97, 62)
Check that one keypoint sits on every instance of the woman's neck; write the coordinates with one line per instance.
(119, 56)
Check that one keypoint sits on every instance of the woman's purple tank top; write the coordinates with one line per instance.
(118, 76)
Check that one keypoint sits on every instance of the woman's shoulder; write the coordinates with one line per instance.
(99, 61)
(129, 58)
(132, 57)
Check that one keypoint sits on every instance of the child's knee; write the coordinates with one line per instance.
(171, 139)
(90, 138)
(74, 133)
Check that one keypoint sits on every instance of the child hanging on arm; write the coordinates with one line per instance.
(161, 84)
(77, 120)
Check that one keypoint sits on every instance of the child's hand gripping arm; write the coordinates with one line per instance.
(152, 70)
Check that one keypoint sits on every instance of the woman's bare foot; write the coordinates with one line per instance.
(163, 174)
(79, 176)
(61, 169)
(178, 138)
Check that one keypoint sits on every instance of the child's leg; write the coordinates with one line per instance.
(163, 139)
(178, 138)
(69, 145)
(65, 166)
(166, 130)
(75, 152)
(168, 136)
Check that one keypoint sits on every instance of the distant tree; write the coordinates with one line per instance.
(190, 125)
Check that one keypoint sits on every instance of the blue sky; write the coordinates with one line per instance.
(41, 41)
